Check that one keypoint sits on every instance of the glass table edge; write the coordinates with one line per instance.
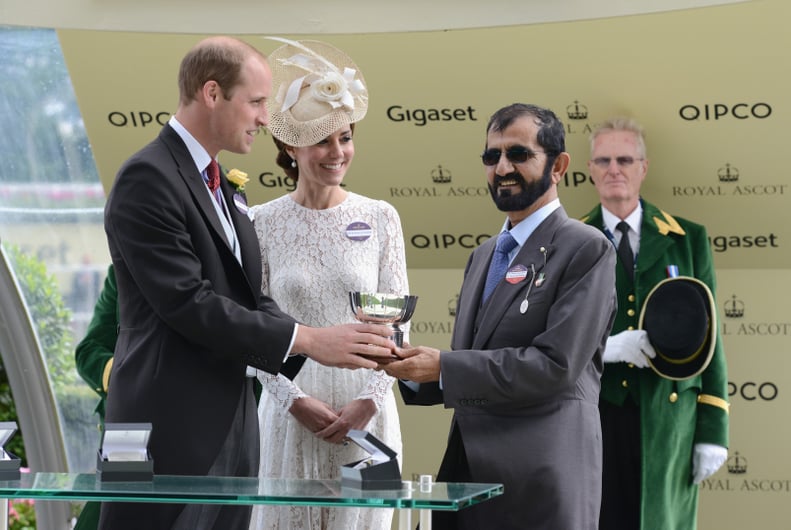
(60, 487)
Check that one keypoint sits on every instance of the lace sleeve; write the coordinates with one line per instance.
(283, 390)
(392, 279)
(392, 256)
(377, 388)
(259, 223)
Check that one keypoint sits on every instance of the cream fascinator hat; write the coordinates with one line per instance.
(317, 89)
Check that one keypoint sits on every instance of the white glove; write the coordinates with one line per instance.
(631, 346)
(706, 460)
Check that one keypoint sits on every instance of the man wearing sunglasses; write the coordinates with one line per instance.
(663, 434)
(524, 368)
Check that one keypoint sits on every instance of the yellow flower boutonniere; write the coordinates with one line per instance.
(238, 179)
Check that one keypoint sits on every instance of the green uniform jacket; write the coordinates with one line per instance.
(95, 350)
(93, 357)
(673, 416)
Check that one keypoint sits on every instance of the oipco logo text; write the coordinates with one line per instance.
(719, 111)
(469, 241)
(752, 391)
(137, 118)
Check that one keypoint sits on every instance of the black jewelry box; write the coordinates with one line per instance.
(9, 463)
(123, 454)
(378, 472)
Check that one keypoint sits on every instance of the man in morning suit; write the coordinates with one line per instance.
(192, 316)
(523, 372)
(662, 436)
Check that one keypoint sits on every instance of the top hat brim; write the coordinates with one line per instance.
(680, 320)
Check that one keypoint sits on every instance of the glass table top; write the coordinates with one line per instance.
(238, 490)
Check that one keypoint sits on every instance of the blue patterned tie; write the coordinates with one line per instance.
(499, 265)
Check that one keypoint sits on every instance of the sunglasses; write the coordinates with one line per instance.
(623, 161)
(515, 155)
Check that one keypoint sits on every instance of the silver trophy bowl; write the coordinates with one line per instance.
(383, 308)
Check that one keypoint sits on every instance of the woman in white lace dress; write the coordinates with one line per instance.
(317, 244)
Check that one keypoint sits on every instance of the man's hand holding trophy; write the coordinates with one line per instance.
(384, 308)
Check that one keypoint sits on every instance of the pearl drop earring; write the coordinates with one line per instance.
(293, 163)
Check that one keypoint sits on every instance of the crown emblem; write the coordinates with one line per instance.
(737, 464)
(577, 111)
(734, 308)
(440, 175)
(728, 174)
(452, 305)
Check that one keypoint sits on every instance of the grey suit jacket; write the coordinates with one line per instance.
(524, 386)
(191, 316)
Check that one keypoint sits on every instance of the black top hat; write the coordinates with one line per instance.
(680, 320)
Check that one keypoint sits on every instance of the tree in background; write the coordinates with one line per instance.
(51, 319)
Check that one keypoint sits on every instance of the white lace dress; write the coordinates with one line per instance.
(311, 260)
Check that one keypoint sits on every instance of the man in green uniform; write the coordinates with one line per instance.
(661, 436)
(94, 359)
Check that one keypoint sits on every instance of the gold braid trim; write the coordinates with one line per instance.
(670, 226)
(106, 374)
(714, 401)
